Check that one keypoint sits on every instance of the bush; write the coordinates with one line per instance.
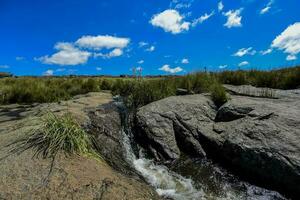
(218, 94)
(58, 133)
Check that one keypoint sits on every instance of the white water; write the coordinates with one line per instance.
(172, 185)
(167, 183)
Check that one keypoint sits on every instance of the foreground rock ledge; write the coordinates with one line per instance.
(77, 177)
(259, 138)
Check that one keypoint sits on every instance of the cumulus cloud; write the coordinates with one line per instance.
(244, 51)
(223, 66)
(234, 18)
(142, 44)
(4, 67)
(220, 6)
(244, 63)
(266, 8)
(102, 41)
(49, 72)
(151, 48)
(289, 40)
(67, 55)
(98, 68)
(203, 18)
(291, 57)
(170, 21)
(166, 68)
(140, 62)
(265, 52)
(114, 53)
(185, 61)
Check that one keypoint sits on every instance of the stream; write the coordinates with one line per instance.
(191, 179)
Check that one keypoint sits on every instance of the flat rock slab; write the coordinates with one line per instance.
(76, 177)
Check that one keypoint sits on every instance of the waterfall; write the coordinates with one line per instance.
(167, 183)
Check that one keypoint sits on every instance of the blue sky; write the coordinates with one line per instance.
(61, 37)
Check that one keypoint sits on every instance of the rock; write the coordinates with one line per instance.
(105, 126)
(258, 138)
(262, 140)
(181, 92)
(75, 177)
(167, 126)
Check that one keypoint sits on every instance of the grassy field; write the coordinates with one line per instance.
(138, 92)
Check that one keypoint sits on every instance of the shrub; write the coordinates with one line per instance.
(58, 133)
(218, 94)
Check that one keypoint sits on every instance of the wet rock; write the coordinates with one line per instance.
(258, 138)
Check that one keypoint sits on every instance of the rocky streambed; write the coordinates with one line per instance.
(180, 147)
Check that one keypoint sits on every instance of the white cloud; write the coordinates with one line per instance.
(142, 44)
(4, 67)
(289, 40)
(220, 6)
(244, 63)
(140, 62)
(244, 51)
(114, 53)
(265, 52)
(203, 18)
(67, 55)
(291, 57)
(234, 18)
(185, 61)
(267, 8)
(183, 5)
(102, 41)
(166, 68)
(61, 69)
(223, 66)
(98, 68)
(19, 58)
(49, 72)
(151, 48)
(171, 21)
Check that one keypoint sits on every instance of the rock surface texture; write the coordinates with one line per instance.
(75, 177)
(259, 138)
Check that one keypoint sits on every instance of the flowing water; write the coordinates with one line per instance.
(188, 179)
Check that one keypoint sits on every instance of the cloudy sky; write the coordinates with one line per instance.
(58, 37)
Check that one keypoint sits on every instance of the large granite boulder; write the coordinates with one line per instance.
(257, 137)
(171, 125)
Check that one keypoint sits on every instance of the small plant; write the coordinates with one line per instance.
(58, 133)
(218, 94)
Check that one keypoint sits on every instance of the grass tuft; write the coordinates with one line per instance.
(58, 133)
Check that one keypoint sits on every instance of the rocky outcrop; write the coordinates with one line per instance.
(77, 177)
(105, 125)
(257, 137)
(167, 126)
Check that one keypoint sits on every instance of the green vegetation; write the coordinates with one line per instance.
(287, 78)
(58, 133)
(29, 90)
(218, 95)
(138, 92)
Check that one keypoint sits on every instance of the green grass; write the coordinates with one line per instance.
(287, 78)
(58, 134)
(139, 92)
